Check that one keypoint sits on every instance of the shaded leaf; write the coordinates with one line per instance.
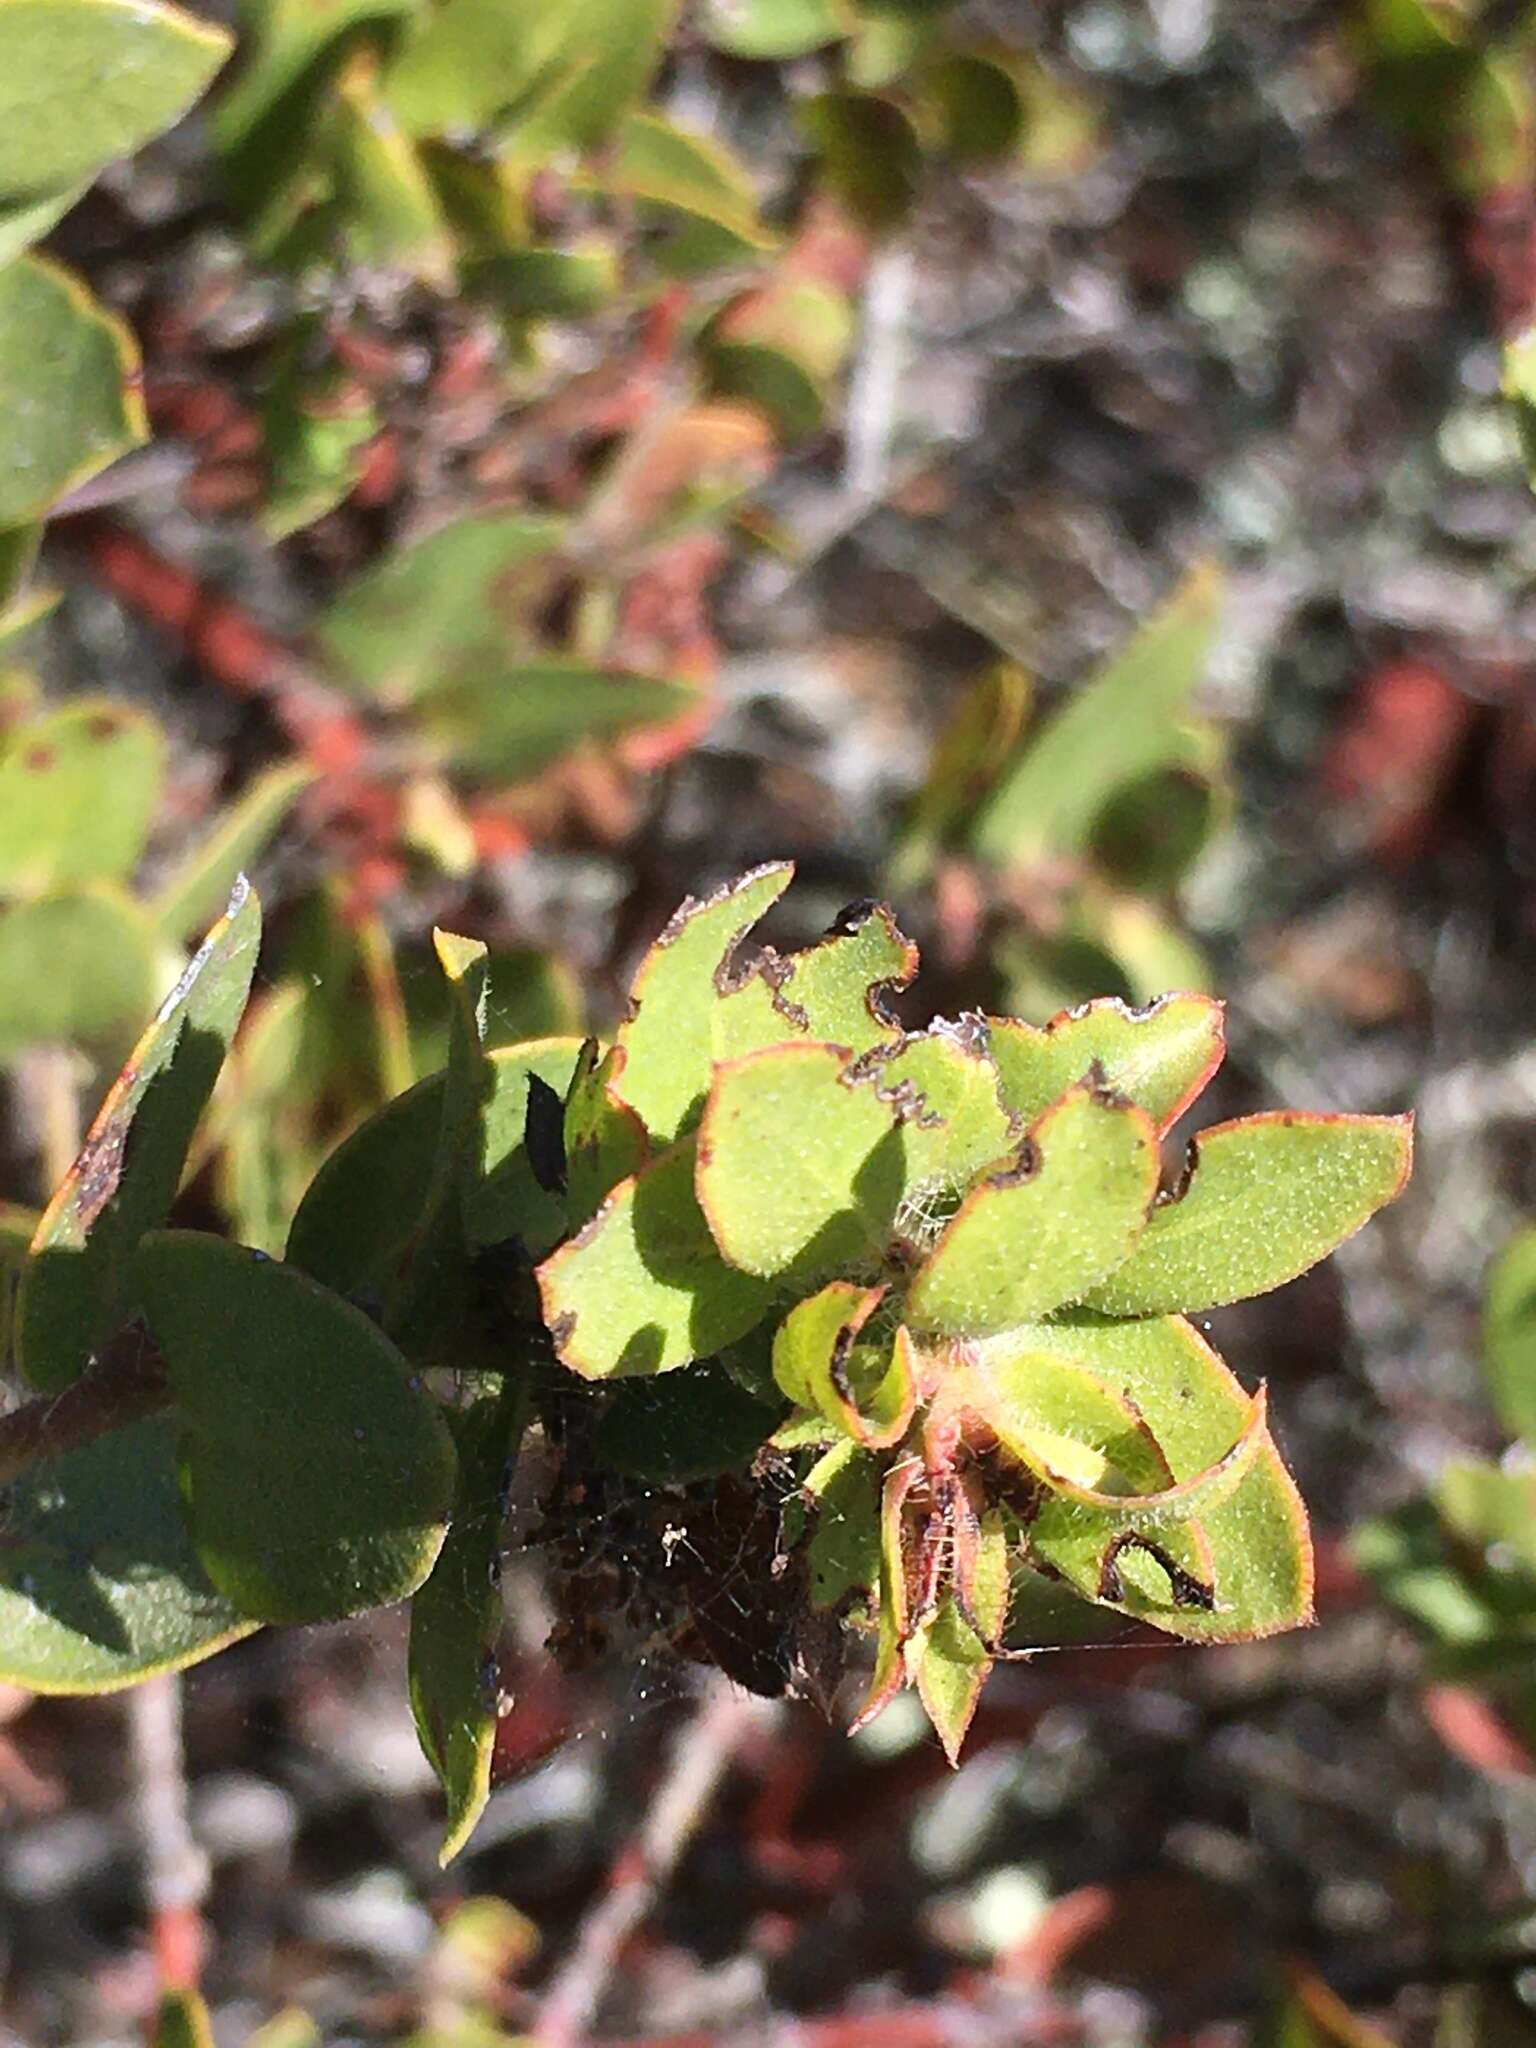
(1509, 1333)
(183, 2022)
(666, 1039)
(799, 1172)
(136, 65)
(685, 1427)
(99, 1583)
(1045, 1229)
(844, 1552)
(456, 1617)
(318, 1476)
(870, 156)
(69, 402)
(977, 102)
(605, 1140)
(507, 725)
(78, 794)
(1262, 1199)
(79, 1286)
(642, 1288)
(1159, 1058)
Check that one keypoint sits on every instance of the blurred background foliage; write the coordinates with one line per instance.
(1060, 467)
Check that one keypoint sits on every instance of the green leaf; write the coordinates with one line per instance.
(605, 1140)
(1407, 1557)
(978, 104)
(387, 203)
(318, 1475)
(76, 968)
(943, 1086)
(774, 28)
(844, 1552)
(947, 1660)
(1262, 1199)
(463, 591)
(1045, 1229)
(642, 1288)
(599, 56)
(1509, 1333)
(682, 1428)
(800, 1173)
(666, 1040)
(69, 400)
(549, 284)
(870, 157)
(839, 991)
(78, 1286)
(508, 724)
(662, 167)
(466, 61)
(867, 1390)
(1159, 1058)
(456, 1617)
(183, 2022)
(88, 81)
(1118, 727)
(78, 795)
(504, 1198)
(191, 895)
(315, 424)
(27, 221)
(1251, 1548)
(99, 1583)
(1519, 387)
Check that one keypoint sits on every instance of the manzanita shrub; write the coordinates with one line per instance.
(922, 1290)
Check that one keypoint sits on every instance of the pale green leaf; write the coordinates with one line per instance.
(642, 1287)
(774, 28)
(77, 967)
(840, 990)
(1159, 1058)
(318, 1475)
(1043, 1230)
(78, 795)
(800, 1173)
(69, 400)
(1262, 1200)
(943, 1086)
(866, 1389)
(666, 1039)
(1509, 1333)
(87, 81)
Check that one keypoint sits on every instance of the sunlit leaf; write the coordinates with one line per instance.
(79, 1284)
(774, 28)
(948, 1659)
(1262, 1200)
(840, 990)
(642, 1287)
(1043, 1230)
(821, 1361)
(77, 967)
(1509, 1333)
(1159, 1058)
(78, 795)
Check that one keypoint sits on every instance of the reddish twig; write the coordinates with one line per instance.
(699, 1762)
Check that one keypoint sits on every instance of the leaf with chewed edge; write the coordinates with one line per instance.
(78, 1285)
(1159, 1058)
(1041, 1232)
(866, 1390)
(318, 1474)
(1262, 1200)
(643, 1288)
(456, 1617)
(666, 1040)
(838, 990)
(798, 1171)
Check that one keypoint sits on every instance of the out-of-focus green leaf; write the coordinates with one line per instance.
(69, 402)
(318, 1476)
(507, 725)
(665, 1043)
(192, 893)
(779, 348)
(315, 423)
(1042, 1231)
(77, 967)
(642, 1288)
(23, 222)
(870, 155)
(466, 61)
(658, 165)
(1509, 1334)
(99, 1583)
(550, 284)
(388, 207)
(1494, 1513)
(799, 1173)
(183, 2022)
(88, 81)
(79, 1284)
(976, 101)
(774, 28)
(78, 794)
(1519, 386)
(1159, 1058)
(1263, 1199)
(463, 594)
(982, 730)
(456, 1617)
(1108, 734)
(597, 58)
